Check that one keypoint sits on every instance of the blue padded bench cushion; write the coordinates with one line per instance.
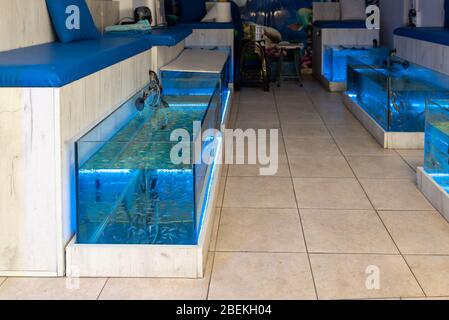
(206, 25)
(167, 36)
(349, 24)
(430, 34)
(57, 64)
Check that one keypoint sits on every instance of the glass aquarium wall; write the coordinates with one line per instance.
(436, 159)
(129, 189)
(195, 85)
(394, 91)
(335, 58)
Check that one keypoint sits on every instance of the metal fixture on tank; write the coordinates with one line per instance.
(152, 97)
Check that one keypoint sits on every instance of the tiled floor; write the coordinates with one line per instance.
(342, 219)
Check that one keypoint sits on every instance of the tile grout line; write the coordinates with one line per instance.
(221, 210)
(296, 201)
(2, 282)
(375, 210)
(405, 160)
(102, 288)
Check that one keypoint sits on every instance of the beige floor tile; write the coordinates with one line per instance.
(256, 124)
(295, 107)
(221, 191)
(297, 147)
(51, 289)
(158, 289)
(415, 158)
(257, 107)
(327, 193)
(356, 130)
(266, 230)
(304, 130)
(327, 97)
(289, 93)
(411, 152)
(427, 298)
(320, 167)
(432, 273)
(247, 170)
(331, 107)
(300, 118)
(415, 163)
(346, 276)
(254, 96)
(395, 195)
(339, 118)
(259, 192)
(257, 117)
(213, 239)
(241, 152)
(2, 280)
(361, 146)
(261, 276)
(381, 167)
(418, 232)
(346, 232)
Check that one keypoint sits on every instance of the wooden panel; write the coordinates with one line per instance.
(165, 55)
(38, 128)
(211, 37)
(104, 12)
(143, 66)
(326, 11)
(27, 168)
(27, 22)
(427, 54)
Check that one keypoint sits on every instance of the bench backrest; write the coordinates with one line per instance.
(26, 22)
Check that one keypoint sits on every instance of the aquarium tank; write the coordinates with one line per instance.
(436, 158)
(335, 57)
(129, 191)
(394, 91)
(177, 84)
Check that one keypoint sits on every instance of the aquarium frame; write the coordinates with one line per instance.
(434, 193)
(387, 139)
(153, 261)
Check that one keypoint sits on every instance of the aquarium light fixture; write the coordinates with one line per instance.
(225, 111)
(173, 170)
(106, 171)
(207, 196)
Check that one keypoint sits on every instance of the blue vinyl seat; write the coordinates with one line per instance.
(57, 64)
(437, 35)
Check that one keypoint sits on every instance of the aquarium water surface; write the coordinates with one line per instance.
(335, 59)
(128, 189)
(394, 92)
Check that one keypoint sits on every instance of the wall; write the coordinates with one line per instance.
(26, 22)
(393, 15)
(126, 8)
(432, 13)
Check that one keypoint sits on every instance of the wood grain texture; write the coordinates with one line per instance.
(430, 55)
(27, 166)
(27, 22)
(326, 11)
(38, 129)
(165, 55)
